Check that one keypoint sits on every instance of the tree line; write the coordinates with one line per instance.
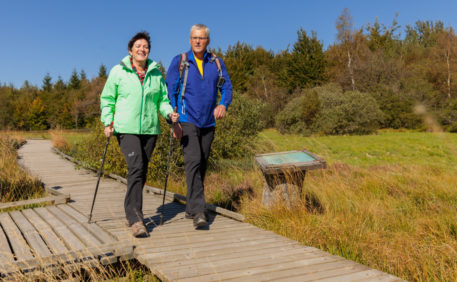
(371, 77)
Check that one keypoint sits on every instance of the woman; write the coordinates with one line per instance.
(133, 95)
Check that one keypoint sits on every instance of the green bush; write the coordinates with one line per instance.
(398, 109)
(299, 115)
(237, 132)
(328, 110)
(351, 112)
(448, 116)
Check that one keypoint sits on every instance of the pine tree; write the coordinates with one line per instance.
(47, 84)
(59, 85)
(83, 75)
(307, 62)
(102, 71)
(75, 82)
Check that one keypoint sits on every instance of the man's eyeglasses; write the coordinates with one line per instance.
(195, 38)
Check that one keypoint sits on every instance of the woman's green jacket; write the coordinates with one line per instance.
(134, 107)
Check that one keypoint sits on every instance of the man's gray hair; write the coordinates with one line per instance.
(200, 26)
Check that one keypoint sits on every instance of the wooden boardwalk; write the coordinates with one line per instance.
(47, 237)
(226, 250)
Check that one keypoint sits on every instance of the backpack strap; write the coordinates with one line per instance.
(220, 79)
(214, 58)
(183, 71)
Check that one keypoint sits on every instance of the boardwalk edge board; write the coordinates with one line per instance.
(49, 200)
(157, 191)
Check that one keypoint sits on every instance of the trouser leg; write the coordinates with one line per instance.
(196, 144)
(206, 139)
(137, 150)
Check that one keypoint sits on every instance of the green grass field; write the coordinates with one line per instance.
(388, 200)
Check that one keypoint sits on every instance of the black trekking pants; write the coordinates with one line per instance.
(196, 145)
(137, 150)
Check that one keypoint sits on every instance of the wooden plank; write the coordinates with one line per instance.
(30, 234)
(289, 270)
(222, 230)
(364, 275)
(201, 243)
(98, 232)
(151, 254)
(70, 240)
(18, 244)
(249, 270)
(222, 253)
(54, 243)
(237, 263)
(241, 257)
(385, 278)
(6, 254)
(45, 200)
(345, 267)
(82, 233)
(195, 236)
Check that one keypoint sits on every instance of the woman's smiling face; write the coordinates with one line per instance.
(140, 50)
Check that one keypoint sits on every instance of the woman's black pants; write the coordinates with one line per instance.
(137, 150)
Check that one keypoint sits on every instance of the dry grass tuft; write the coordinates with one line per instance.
(95, 271)
(15, 183)
(59, 141)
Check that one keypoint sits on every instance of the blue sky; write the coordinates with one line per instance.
(57, 36)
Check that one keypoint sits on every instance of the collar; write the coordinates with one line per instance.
(190, 55)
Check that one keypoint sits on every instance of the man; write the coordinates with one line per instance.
(195, 93)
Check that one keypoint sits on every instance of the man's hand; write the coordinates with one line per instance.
(109, 130)
(177, 130)
(219, 112)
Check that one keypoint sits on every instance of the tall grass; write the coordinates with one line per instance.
(388, 201)
(15, 183)
(120, 271)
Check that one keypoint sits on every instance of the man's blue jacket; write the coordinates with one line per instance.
(200, 98)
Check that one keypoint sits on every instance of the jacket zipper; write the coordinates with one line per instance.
(142, 97)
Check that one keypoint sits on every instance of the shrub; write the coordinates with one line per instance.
(398, 109)
(299, 115)
(351, 112)
(237, 132)
(448, 116)
(328, 110)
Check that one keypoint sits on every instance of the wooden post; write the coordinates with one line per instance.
(284, 187)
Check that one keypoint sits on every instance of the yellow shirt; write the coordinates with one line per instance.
(199, 65)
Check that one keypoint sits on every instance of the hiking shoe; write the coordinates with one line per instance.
(189, 215)
(200, 220)
(138, 229)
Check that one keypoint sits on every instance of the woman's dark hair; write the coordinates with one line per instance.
(140, 35)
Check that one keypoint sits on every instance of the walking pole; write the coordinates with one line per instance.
(166, 174)
(98, 180)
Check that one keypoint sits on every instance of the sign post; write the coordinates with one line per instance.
(284, 174)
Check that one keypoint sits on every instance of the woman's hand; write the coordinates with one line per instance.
(109, 131)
